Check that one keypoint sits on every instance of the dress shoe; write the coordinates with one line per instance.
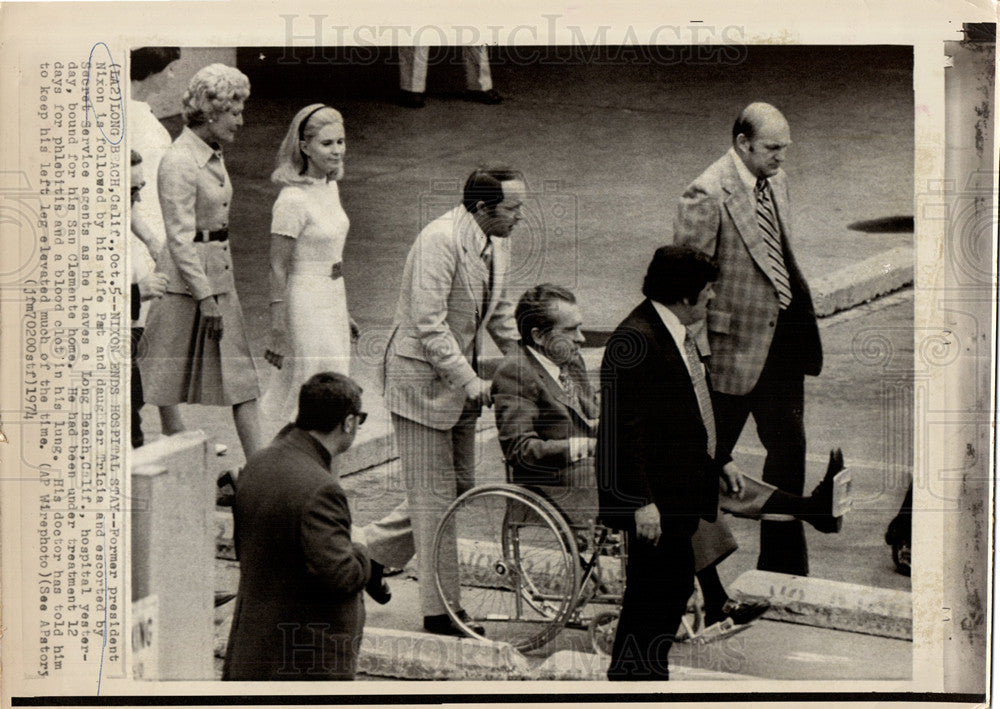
(743, 612)
(443, 625)
(410, 99)
(821, 500)
(377, 587)
(490, 98)
(225, 490)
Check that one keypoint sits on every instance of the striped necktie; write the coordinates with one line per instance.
(701, 390)
(767, 220)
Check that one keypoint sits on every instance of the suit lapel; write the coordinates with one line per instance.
(552, 386)
(671, 356)
(470, 265)
(742, 208)
(501, 259)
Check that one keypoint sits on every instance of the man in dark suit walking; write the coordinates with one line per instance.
(299, 610)
(656, 473)
(761, 325)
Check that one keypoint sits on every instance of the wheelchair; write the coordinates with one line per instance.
(526, 571)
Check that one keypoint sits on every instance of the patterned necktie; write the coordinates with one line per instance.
(767, 220)
(701, 391)
(569, 385)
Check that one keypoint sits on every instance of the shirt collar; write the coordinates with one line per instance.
(746, 177)
(547, 364)
(672, 323)
(202, 151)
(469, 222)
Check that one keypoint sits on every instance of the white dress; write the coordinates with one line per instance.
(318, 325)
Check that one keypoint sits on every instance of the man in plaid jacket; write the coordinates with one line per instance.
(761, 326)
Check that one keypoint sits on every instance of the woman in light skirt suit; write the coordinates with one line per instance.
(311, 329)
(194, 349)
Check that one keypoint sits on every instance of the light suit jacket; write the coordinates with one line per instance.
(195, 193)
(440, 322)
(718, 215)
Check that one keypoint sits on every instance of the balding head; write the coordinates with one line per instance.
(760, 137)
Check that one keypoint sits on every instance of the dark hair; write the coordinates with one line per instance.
(484, 186)
(535, 307)
(677, 273)
(325, 400)
(134, 157)
(148, 61)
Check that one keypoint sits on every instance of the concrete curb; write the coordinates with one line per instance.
(831, 604)
(864, 281)
(407, 655)
(584, 666)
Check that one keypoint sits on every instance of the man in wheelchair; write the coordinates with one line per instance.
(546, 409)
(546, 413)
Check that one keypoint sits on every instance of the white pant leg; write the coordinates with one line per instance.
(390, 539)
(477, 68)
(413, 68)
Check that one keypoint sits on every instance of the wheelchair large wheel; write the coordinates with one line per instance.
(517, 565)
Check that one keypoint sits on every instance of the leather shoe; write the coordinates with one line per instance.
(410, 99)
(223, 597)
(743, 612)
(490, 98)
(377, 587)
(444, 625)
(225, 490)
(822, 498)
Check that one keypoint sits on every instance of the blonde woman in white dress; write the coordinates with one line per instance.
(311, 330)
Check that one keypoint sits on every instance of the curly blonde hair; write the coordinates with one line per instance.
(213, 91)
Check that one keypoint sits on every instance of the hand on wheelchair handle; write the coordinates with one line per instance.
(647, 523)
(733, 477)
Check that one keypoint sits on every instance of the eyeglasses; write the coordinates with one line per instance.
(361, 416)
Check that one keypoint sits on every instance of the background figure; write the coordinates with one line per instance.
(761, 326)
(146, 284)
(452, 294)
(299, 611)
(310, 326)
(150, 70)
(655, 470)
(413, 75)
(196, 350)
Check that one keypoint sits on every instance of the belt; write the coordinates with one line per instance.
(317, 268)
(206, 235)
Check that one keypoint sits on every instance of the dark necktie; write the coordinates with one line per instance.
(701, 391)
(487, 257)
(767, 220)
